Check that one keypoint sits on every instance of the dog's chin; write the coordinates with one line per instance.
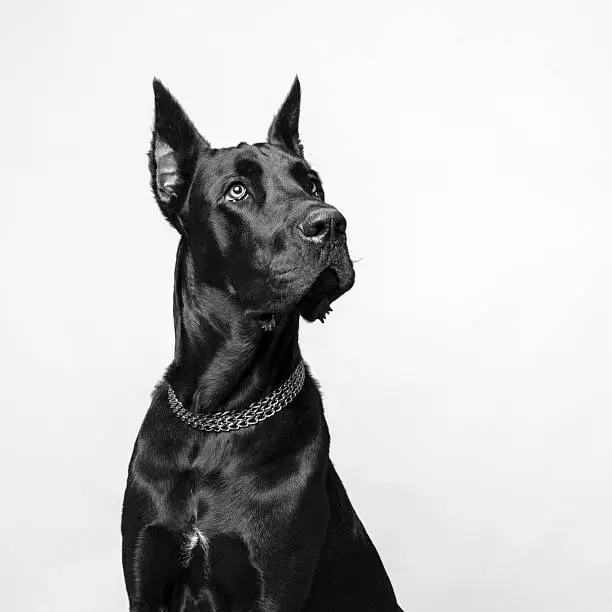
(327, 287)
(312, 302)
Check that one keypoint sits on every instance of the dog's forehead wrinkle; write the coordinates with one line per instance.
(277, 156)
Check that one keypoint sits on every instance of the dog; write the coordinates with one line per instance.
(232, 502)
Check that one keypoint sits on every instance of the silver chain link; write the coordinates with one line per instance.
(258, 411)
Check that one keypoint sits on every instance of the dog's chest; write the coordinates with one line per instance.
(229, 504)
(211, 484)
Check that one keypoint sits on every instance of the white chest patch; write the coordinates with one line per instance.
(194, 538)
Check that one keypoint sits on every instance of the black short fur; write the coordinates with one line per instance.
(255, 519)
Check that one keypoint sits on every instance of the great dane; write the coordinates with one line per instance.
(232, 502)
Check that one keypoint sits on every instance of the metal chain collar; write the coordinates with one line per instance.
(229, 420)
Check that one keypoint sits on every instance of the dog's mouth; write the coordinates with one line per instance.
(316, 303)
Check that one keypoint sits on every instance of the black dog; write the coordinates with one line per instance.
(243, 510)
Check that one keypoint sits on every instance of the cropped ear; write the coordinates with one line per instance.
(174, 151)
(284, 129)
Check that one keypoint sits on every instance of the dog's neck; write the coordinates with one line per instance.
(222, 359)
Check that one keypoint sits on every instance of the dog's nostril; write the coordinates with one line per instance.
(315, 227)
(318, 228)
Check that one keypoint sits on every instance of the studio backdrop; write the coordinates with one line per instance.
(466, 376)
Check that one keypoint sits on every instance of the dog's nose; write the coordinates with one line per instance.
(323, 225)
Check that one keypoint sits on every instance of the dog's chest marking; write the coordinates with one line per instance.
(194, 538)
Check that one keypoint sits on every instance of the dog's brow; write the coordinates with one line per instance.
(300, 172)
(248, 168)
(253, 172)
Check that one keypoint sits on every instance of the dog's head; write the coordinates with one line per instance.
(253, 217)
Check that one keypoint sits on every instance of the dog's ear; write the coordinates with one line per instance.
(284, 129)
(174, 151)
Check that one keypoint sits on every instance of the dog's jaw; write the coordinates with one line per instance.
(328, 286)
(314, 303)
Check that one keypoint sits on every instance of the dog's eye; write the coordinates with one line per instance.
(236, 191)
(314, 189)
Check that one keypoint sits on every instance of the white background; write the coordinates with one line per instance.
(466, 376)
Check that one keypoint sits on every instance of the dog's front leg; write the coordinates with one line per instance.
(291, 563)
(158, 573)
